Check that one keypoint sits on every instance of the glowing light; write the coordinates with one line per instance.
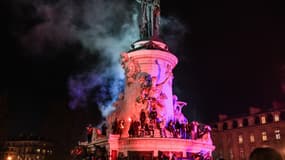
(277, 134)
(9, 158)
(129, 119)
(251, 138)
(264, 136)
(276, 118)
(240, 139)
(263, 119)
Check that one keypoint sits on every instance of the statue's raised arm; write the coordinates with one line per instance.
(149, 18)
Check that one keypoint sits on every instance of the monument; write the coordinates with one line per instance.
(148, 122)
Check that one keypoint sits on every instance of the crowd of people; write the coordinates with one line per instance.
(147, 126)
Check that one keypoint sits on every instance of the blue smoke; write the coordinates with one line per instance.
(103, 27)
(109, 29)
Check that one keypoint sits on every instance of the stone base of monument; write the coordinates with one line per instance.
(150, 147)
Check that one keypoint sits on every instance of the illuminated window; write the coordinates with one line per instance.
(264, 136)
(263, 119)
(240, 139)
(251, 138)
(277, 134)
(276, 118)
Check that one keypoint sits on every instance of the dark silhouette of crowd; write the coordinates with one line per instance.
(148, 124)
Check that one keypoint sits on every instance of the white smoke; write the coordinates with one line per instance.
(103, 27)
(173, 31)
(111, 28)
(52, 27)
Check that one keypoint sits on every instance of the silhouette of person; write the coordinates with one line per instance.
(142, 117)
(194, 129)
(104, 129)
(89, 131)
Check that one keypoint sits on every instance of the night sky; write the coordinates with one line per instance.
(57, 55)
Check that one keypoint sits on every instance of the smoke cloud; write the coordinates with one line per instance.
(50, 27)
(109, 29)
(103, 27)
(173, 32)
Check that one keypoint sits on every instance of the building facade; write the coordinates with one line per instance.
(236, 137)
(27, 149)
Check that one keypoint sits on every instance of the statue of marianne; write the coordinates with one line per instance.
(149, 18)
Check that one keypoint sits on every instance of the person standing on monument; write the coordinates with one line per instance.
(89, 132)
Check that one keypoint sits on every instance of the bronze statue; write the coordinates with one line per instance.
(150, 19)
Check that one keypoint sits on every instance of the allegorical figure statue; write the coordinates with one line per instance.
(150, 18)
